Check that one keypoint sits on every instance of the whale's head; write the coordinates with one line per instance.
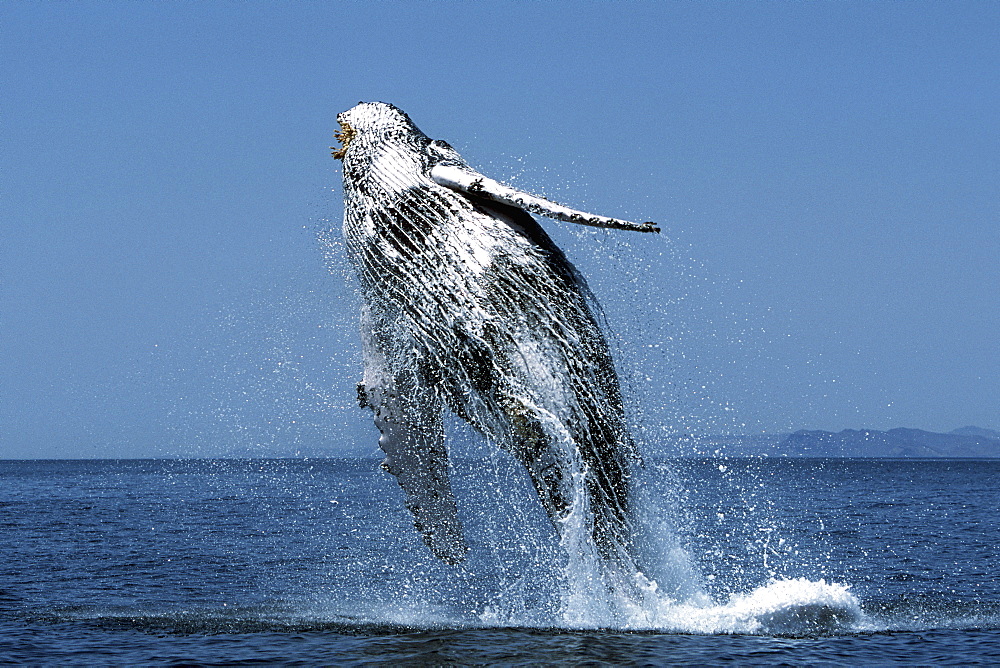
(370, 123)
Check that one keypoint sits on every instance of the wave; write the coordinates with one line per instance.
(797, 607)
(783, 608)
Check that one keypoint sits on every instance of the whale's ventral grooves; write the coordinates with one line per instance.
(470, 306)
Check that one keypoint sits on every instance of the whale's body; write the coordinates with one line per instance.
(470, 306)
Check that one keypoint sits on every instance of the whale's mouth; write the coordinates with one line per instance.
(344, 136)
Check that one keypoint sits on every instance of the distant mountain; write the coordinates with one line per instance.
(976, 431)
(893, 443)
(967, 442)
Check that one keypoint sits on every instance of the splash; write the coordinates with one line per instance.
(797, 607)
(672, 597)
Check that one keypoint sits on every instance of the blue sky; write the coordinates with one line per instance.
(826, 175)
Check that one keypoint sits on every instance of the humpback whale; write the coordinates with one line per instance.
(469, 306)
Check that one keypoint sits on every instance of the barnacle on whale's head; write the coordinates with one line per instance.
(374, 123)
(344, 136)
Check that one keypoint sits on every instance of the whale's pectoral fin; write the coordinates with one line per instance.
(470, 182)
(412, 437)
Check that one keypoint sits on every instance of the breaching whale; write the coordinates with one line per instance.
(469, 306)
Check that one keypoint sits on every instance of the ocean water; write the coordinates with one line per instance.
(755, 561)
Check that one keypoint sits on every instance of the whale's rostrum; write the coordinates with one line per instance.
(469, 306)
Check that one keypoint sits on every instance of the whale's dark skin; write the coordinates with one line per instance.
(470, 306)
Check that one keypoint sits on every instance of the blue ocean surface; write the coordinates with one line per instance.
(755, 561)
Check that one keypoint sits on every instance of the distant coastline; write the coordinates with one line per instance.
(965, 442)
(899, 443)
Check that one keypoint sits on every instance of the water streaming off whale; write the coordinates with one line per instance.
(470, 306)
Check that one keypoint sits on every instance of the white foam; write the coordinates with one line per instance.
(782, 607)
